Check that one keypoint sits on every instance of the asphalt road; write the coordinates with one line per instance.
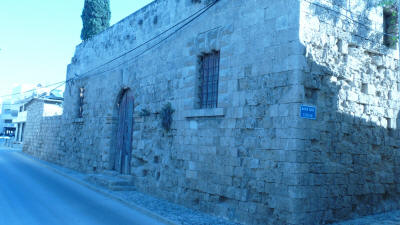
(32, 195)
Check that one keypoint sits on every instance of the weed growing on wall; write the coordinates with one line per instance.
(145, 112)
(166, 116)
(390, 13)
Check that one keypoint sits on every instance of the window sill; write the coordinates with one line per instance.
(78, 120)
(212, 112)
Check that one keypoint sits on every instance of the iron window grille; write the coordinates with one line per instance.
(209, 76)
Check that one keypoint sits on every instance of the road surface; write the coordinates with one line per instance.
(33, 195)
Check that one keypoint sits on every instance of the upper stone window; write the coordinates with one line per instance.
(390, 26)
(209, 75)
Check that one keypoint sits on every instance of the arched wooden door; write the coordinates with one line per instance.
(124, 133)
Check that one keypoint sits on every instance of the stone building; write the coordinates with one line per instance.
(283, 112)
(40, 133)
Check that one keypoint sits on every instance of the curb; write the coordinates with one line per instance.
(105, 193)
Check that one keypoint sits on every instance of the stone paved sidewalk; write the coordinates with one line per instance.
(390, 218)
(167, 212)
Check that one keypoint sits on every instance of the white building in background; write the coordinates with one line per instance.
(10, 108)
(23, 91)
(9, 111)
(13, 113)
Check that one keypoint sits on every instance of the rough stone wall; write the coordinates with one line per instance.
(252, 159)
(351, 151)
(42, 134)
(235, 161)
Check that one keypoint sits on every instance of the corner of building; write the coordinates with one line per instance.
(351, 77)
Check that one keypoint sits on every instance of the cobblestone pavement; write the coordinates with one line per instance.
(390, 218)
(173, 213)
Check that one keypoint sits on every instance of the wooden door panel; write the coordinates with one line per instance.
(124, 133)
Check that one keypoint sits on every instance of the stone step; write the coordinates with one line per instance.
(115, 173)
(110, 172)
(112, 181)
(122, 188)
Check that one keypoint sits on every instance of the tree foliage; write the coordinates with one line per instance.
(96, 17)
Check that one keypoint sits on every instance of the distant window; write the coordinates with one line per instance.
(7, 121)
(390, 27)
(209, 76)
(14, 113)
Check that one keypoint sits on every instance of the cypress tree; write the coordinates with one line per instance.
(95, 18)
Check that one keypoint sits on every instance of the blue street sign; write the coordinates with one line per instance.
(308, 112)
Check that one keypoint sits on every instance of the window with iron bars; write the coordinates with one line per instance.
(209, 76)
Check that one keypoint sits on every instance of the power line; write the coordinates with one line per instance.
(199, 12)
(205, 9)
(191, 19)
(347, 9)
(156, 44)
(52, 90)
(22, 101)
(155, 37)
(367, 39)
(32, 90)
(57, 87)
(347, 17)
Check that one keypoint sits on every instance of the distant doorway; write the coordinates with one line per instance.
(124, 132)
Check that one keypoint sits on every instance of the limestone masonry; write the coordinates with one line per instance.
(42, 132)
(251, 158)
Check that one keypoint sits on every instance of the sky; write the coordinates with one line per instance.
(38, 38)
